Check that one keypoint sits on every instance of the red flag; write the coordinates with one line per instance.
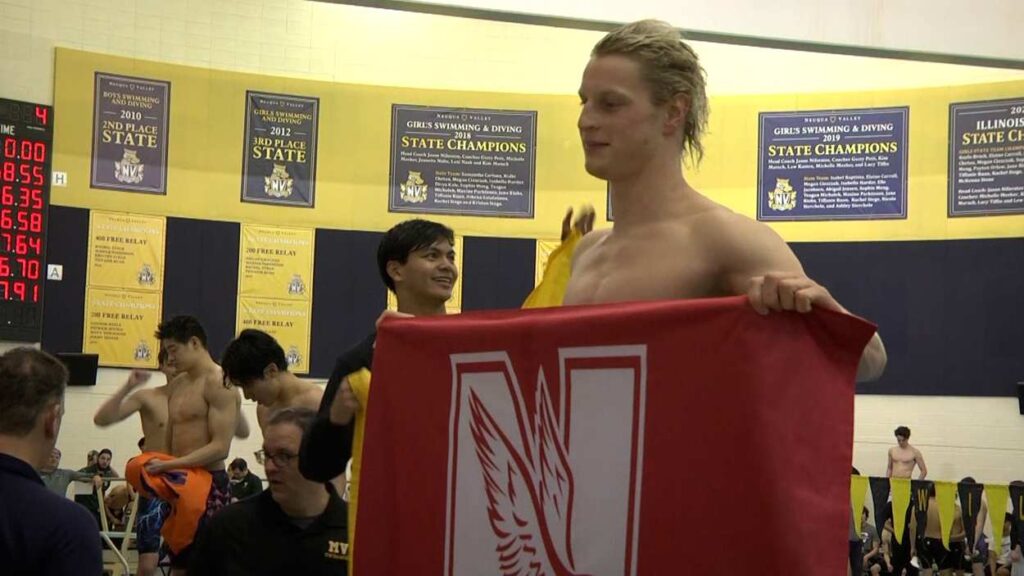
(642, 438)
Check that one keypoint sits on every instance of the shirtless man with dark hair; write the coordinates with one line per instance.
(202, 414)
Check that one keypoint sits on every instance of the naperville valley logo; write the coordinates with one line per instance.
(548, 487)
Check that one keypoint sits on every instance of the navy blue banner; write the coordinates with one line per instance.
(832, 165)
(129, 134)
(279, 166)
(986, 158)
(462, 161)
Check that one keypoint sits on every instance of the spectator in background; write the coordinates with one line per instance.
(90, 458)
(871, 545)
(900, 551)
(903, 457)
(100, 470)
(856, 549)
(294, 527)
(58, 479)
(40, 533)
(243, 482)
(118, 503)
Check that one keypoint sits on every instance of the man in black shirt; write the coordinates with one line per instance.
(243, 482)
(98, 471)
(294, 527)
(41, 533)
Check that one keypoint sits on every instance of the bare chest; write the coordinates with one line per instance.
(656, 269)
(903, 456)
(187, 404)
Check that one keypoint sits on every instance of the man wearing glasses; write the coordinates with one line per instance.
(296, 526)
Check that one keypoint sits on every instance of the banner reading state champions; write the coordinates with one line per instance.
(124, 279)
(126, 251)
(275, 287)
(287, 321)
(119, 326)
(280, 149)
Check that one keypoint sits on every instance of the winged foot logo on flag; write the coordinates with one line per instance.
(599, 440)
(546, 494)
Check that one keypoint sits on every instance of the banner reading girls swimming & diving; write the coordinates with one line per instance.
(833, 165)
(279, 166)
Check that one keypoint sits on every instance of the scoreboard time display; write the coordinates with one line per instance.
(26, 153)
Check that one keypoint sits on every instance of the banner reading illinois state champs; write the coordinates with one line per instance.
(280, 149)
(129, 146)
(275, 287)
(124, 294)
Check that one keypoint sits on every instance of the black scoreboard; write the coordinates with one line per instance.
(26, 136)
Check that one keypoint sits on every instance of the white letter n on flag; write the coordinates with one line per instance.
(544, 476)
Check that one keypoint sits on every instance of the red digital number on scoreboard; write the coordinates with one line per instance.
(22, 209)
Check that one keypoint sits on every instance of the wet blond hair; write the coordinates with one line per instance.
(670, 68)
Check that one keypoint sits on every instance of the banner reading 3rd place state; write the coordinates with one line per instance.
(129, 145)
(287, 321)
(126, 251)
(462, 161)
(832, 165)
(280, 149)
(120, 326)
(276, 262)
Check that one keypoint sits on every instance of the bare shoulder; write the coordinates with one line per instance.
(214, 388)
(722, 229)
(741, 248)
(588, 242)
(311, 397)
(153, 395)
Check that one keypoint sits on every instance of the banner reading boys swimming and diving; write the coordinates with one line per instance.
(833, 165)
(462, 161)
(129, 144)
(280, 149)
(986, 158)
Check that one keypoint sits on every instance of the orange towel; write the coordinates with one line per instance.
(186, 490)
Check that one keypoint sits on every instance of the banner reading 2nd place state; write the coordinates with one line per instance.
(287, 321)
(462, 161)
(280, 149)
(120, 325)
(276, 262)
(129, 143)
(126, 251)
(832, 165)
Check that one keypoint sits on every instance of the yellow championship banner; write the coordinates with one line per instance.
(454, 305)
(275, 262)
(119, 326)
(126, 251)
(288, 321)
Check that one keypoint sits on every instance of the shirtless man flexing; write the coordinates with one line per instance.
(256, 363)
(202, 414)
(903, 457)
(151, 405)
(643, 105)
